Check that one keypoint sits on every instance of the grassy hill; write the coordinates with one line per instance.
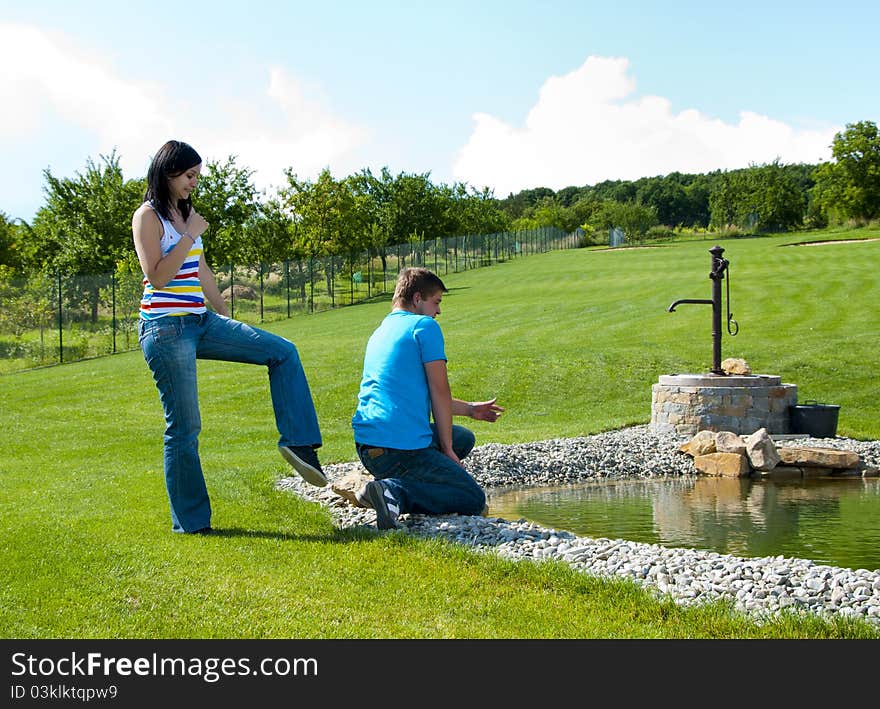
(570, 342)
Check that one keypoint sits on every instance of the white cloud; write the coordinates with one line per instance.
(57, 89)
(47, 79)
(283, 128)
(587, 127)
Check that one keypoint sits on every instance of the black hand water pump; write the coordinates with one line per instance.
(719, 267)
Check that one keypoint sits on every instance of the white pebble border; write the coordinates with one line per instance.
(762, 586)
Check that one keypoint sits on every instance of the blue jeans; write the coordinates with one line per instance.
(426, 481)
(171, 346)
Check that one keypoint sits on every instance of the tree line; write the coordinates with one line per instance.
(758, 199)
(84, 224)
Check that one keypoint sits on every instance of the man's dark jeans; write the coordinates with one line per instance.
(426, 481)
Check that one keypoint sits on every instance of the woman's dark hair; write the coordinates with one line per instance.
(173, 159)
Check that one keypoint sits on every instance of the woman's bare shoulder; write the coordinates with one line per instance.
(146, 217)
(145, 208)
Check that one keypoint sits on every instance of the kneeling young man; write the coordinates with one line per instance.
(416, 463)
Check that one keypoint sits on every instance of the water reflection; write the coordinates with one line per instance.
(830, 520)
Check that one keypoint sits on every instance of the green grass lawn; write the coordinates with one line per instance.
(570, 342)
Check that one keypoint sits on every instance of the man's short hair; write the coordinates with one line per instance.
(414, 280)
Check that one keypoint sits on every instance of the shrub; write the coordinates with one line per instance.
(659, 233)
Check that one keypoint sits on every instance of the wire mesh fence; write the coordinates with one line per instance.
(54, 319)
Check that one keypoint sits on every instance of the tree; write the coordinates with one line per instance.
(9, 255)
(668, 198)
(25, 304)
(584, 211)
(634, 218)
(617, 190)
(516, 205)
(849, 188)
(321, 212)
(86, 222)
(324, 216)
(226, 198)
(415, 208)
(781, 203)
(269, 234)
(468, 210)
(126, 291)
(85, 225)
(723, 199)
(697, 192)
(375, 197)
(567, 196)
(549, 212)
(760, 198)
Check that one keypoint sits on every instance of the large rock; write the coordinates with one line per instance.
(729, 442)
(761, 451)
(735, 365)
(240, 291)
(701, 444)
(727, 465)
(811, 457)
(349, 484)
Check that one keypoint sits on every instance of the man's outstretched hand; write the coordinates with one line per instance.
(487, 410)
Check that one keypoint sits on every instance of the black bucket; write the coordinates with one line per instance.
(814, 419)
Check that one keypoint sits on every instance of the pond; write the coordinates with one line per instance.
(834, 521)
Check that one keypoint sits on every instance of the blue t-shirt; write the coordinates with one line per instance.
(394, 403)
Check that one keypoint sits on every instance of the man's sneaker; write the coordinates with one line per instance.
(381, 500)
(361, 497)
(304, 461)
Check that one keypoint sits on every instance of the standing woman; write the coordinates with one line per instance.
(175, 328)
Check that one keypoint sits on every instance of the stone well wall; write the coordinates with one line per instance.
(687, 403)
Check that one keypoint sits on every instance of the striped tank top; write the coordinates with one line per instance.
(182, 295)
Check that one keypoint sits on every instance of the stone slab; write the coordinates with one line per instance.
(720, 380)
(807, 456)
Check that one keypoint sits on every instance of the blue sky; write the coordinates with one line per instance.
(504, 94)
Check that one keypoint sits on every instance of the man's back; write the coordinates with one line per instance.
(394, 405)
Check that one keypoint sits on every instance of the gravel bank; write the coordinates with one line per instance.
(761, 586)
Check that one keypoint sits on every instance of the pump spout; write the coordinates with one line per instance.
(700, 301)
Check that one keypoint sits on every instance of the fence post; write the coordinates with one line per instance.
(261, 291)
(331, 283)
(287, 279)
(113, 306)
(60, 325)
(311, 285)
(232, 290)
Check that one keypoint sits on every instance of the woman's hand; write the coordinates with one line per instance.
(196, 224)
